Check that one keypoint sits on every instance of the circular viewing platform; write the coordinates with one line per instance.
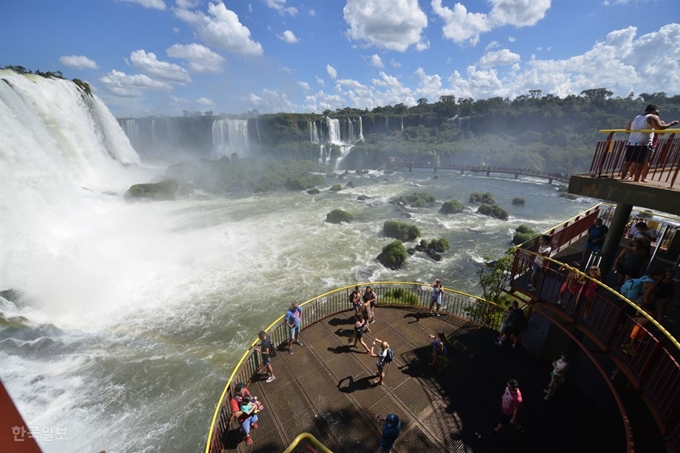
(324, 388)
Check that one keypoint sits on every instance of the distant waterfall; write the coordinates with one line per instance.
(402, 125)
(341, 134)
(230, 136)
(131, 129)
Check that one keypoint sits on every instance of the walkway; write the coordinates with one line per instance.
(484, 169)
(323, 388)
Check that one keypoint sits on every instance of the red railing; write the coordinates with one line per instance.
(609, 156)
(640, 347)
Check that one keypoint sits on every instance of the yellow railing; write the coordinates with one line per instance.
(309, 438)
(415, 294)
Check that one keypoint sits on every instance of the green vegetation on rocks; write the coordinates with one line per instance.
(523, 233)
(484, 198)
(314, 191)
(400, 230)
(519, 201)
(350, 184)
(568, 196)
(164, 190)
(335, 188)
(493, 210)
(451, 207)
(338, 216)
(417, 200)
(393, 255)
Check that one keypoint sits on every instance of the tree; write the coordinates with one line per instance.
(597, 94)
(494, 276)
(422, 101)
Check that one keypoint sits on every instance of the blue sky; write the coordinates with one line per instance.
(152, 57)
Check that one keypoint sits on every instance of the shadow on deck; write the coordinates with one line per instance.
(324, 389)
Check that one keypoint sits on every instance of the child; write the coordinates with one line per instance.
(571, 285)
(588, 289)
(249, 405)
(504, 324)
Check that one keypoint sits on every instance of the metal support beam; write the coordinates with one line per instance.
(613, 239)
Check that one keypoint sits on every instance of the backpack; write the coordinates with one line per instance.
(351, 297)
(389, 357)
(632, 288)
(272, 352)
(521, 321)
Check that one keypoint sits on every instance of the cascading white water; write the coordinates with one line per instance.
(230, 136)
(132, 131)
(313, 133)
(335, 137)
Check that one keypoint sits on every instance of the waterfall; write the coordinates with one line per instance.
(313, 132)
(334, 135)
(257, 129)
(131, 129)
(361, 129)
(230, 136)
(402, 125)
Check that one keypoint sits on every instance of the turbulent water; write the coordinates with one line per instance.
(133, 315)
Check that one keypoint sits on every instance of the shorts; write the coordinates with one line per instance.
(359, 334)
(511, 331)
(266, 359)
(636, 154)
(558, 379)
(357, 307)
(593, 247)
(292, 331)
(436, 301)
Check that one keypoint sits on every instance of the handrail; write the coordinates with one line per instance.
(663, 131)
(649, 360)
(484, 318)
(310, 438)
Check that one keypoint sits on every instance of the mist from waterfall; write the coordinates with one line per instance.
(230, 136)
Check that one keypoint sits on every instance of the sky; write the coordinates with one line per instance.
(165, 57)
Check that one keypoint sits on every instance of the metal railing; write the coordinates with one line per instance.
(664, 162)
(414, 294)
(639, 346)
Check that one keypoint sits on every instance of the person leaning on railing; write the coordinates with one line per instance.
(640, 143)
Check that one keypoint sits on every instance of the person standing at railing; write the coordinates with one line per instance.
(540, 262)
(292, 318)
(369, 299)
(639, 143)
(589, 287)
(246, 421)
(436, 297)
(630, 262)
(596, 236)
(266, 348)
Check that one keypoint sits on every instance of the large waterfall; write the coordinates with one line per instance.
(231, 136)
(342, 134)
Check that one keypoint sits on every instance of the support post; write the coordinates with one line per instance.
(611, 242)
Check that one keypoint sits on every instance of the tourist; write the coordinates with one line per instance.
(648, 287)
(630, 262)
(385, 357)
(246, 421)
(635, 338)
(571, 285)
(589, 287)
(436, 297)
(292, 318)
(360, 326)
(369, 299)
(355, 299)
(639, 143)
(511, 403)
(596, 236)
(559, 371)
(438, 350)
(644, 234)
(514, 325)
(266, 348)
(540, 262)
(248, 406)
(389, 432)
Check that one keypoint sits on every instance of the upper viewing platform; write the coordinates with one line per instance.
(658, 188)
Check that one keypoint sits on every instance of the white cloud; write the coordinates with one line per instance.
(462, 26)
(394, 25)
(78, 62)
(153, 4)
(200, 58)
(151, 66)
(205, 101)
(288, 36)
(320, 81)
(320, 101)
(332, 73)
(312, 12)
(394, 63)
(499, 58)
(221, 29)
(271, 101)
(186, 4)
(175, 29)
(303, 85)
(121, 84)
(280, 6)
(377, 61)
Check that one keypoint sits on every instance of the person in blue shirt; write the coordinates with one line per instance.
(292, 319)
(596, 235)
(389, 431)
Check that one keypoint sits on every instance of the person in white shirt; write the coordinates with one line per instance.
(640, 143)
(540, 262)
(560, 368)
(644, 234)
